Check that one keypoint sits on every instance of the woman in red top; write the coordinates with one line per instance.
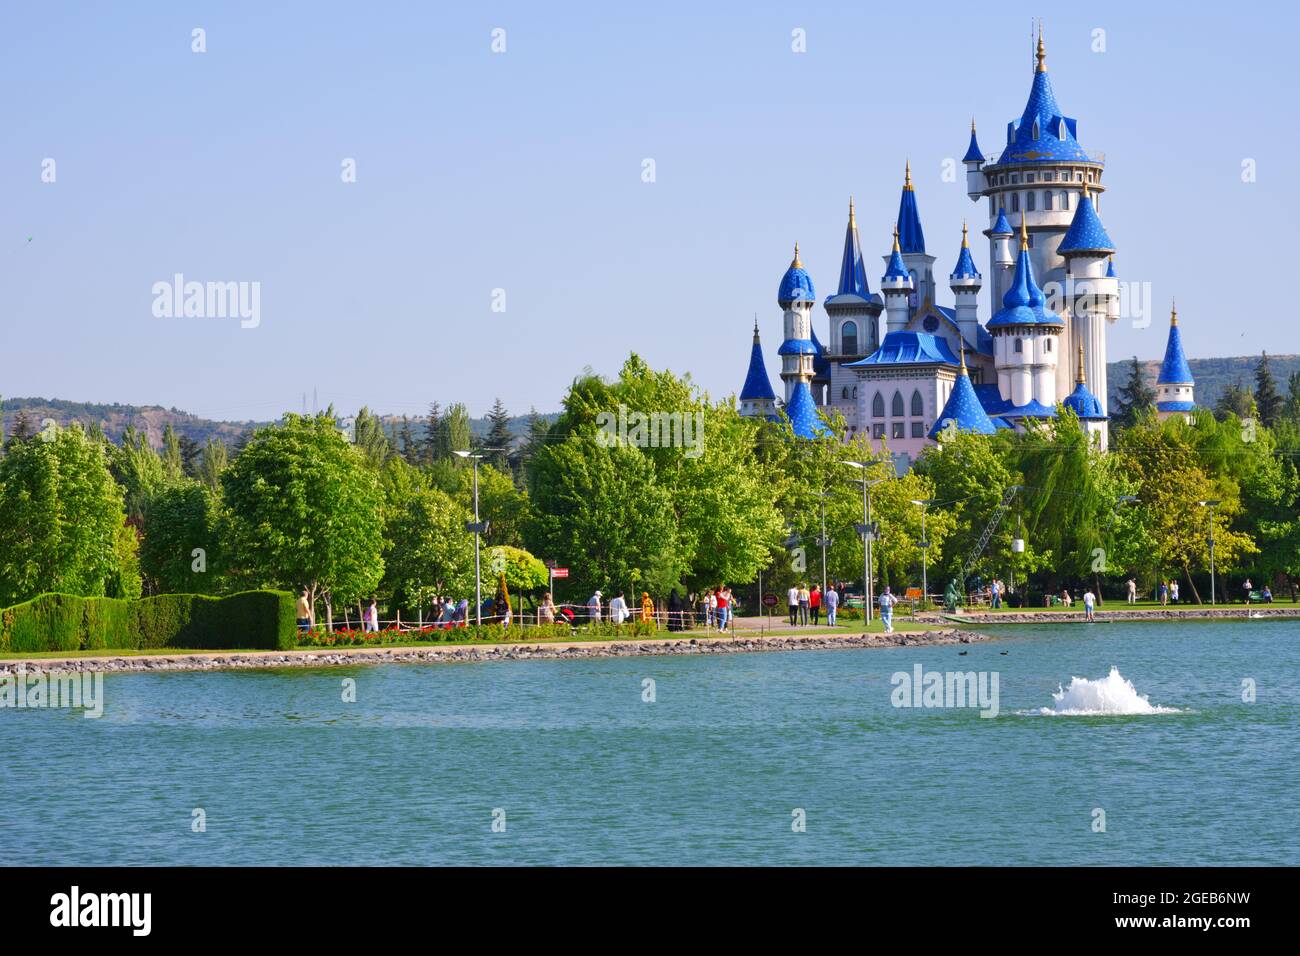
(815, 601)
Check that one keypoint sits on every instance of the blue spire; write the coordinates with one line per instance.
(965, 264)
(963, 408)
(853, 274)
(758, 386)
(795, 284)
(802, 412)
(1043, 132)
(910, 235)
(1175, 370)
(1081, 401)
(973, 152)
(896, 269)
(1024, 302)
(1110, 268)
(1086, 233)
(1002, 227)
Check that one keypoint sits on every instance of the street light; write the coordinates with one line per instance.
(925, 551)
(822, 540)
(867, 603)
(1210, 503)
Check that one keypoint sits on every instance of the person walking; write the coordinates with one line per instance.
(1246, 588)
(792, 598)
(370, 623)
(593, 608)
(546, 611)
(1164, 593)
(887, 602)
(1132, 590)
(723, 597)
(710, 609)
(804, 600)
(832, 605)
(618, 609)
(815, 603)
(647, 608)
(995, 594)
(1173, 592)
(1089, 606)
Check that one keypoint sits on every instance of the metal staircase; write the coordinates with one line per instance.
(988, 533)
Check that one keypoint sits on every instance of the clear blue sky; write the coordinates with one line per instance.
(522, 171)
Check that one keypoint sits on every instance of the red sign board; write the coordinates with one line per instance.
(769, 600)
(559, 572)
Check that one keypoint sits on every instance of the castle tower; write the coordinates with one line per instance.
(796, 297)
(973, 160)
(963, 411)
(1092, 417)
(1092, 293)
(1175, 388)
(1026, 342)
(854, 312)
(965, 283)
(757, 400)
(1038, 179)
(1003, 257)
(911, 242)
(896, 285)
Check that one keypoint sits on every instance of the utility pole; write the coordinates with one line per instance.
(925, 551)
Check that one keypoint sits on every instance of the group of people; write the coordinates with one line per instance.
(805, 604)
(618, 608)
(717, 608)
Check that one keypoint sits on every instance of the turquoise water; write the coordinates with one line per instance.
(586, 772)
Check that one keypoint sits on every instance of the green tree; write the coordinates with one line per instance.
(60, 518)
(1267, 399)
(1235, 400)
(370, 438)
(172, 461)
(138, 469)
(180, 552)
(212, 463)
(306, 511)
(1136, 398)
(428, 552)
(499, 439)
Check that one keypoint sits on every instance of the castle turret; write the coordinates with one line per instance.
(757, 400)
(911, 241)
(1092, 417)
(973, 160)
(1175, 388)
(1002, 257)
(1026, 341)
(896, 285)
(854, 312)
(965, 283)
(796, 296)
(1092, 295)
(963, 411)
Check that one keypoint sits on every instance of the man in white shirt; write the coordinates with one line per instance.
(832, 605)
(593, 608)
(887, 602)
(1089, 602)
(618, 609)
(792, 598)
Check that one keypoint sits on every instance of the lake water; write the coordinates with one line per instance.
(711, 772)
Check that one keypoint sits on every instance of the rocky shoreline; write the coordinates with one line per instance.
(1110, 613)
(439, 654)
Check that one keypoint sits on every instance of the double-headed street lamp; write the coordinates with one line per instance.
(477, 527)
(925, 551)
(1210, 503)
(867, 534)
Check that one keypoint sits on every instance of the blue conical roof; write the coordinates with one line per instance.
(1043, 132)
(1175, 370)
(965, 264)
(1084, 404)
(757, 385)
(963, 408)
(1110, 269)
(1024, 302)
(910, 236)
(1086, 233)
(802, 412)
(973, 152)
(1002, 227)
(853, 272)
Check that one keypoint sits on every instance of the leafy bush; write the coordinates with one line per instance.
(65, 622)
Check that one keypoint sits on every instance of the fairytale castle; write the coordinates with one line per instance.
(927, 369)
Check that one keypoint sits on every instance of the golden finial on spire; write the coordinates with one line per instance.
(1024, 233)
(1081, 379)
(1042, 54)
(907, 176)
(796, 264)
(962, 350)
(896, 248)
(852, 222)
(1173, 313)
(1085, 187)
(964, 243)
(972, 124)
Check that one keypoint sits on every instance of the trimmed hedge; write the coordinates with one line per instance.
(64, 622)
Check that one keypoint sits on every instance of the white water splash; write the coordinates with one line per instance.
(1111, 695)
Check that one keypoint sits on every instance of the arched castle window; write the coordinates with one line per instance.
(1020, 345)
(878, 406)
(1065, 199)
(844, 393)
(1029, 201)
(1035, 129)
(1047, 345)
(855, 391)
(1047, 200)
(896, 406)
(918, 406)
(1015, 202)
(849, 338)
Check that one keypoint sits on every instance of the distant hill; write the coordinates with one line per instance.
(153, 419)
(1213, 375)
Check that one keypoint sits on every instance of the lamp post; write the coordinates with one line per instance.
(821, 495)
(868, 606)
(478, 527)
(925, 551)
(1210, 503)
